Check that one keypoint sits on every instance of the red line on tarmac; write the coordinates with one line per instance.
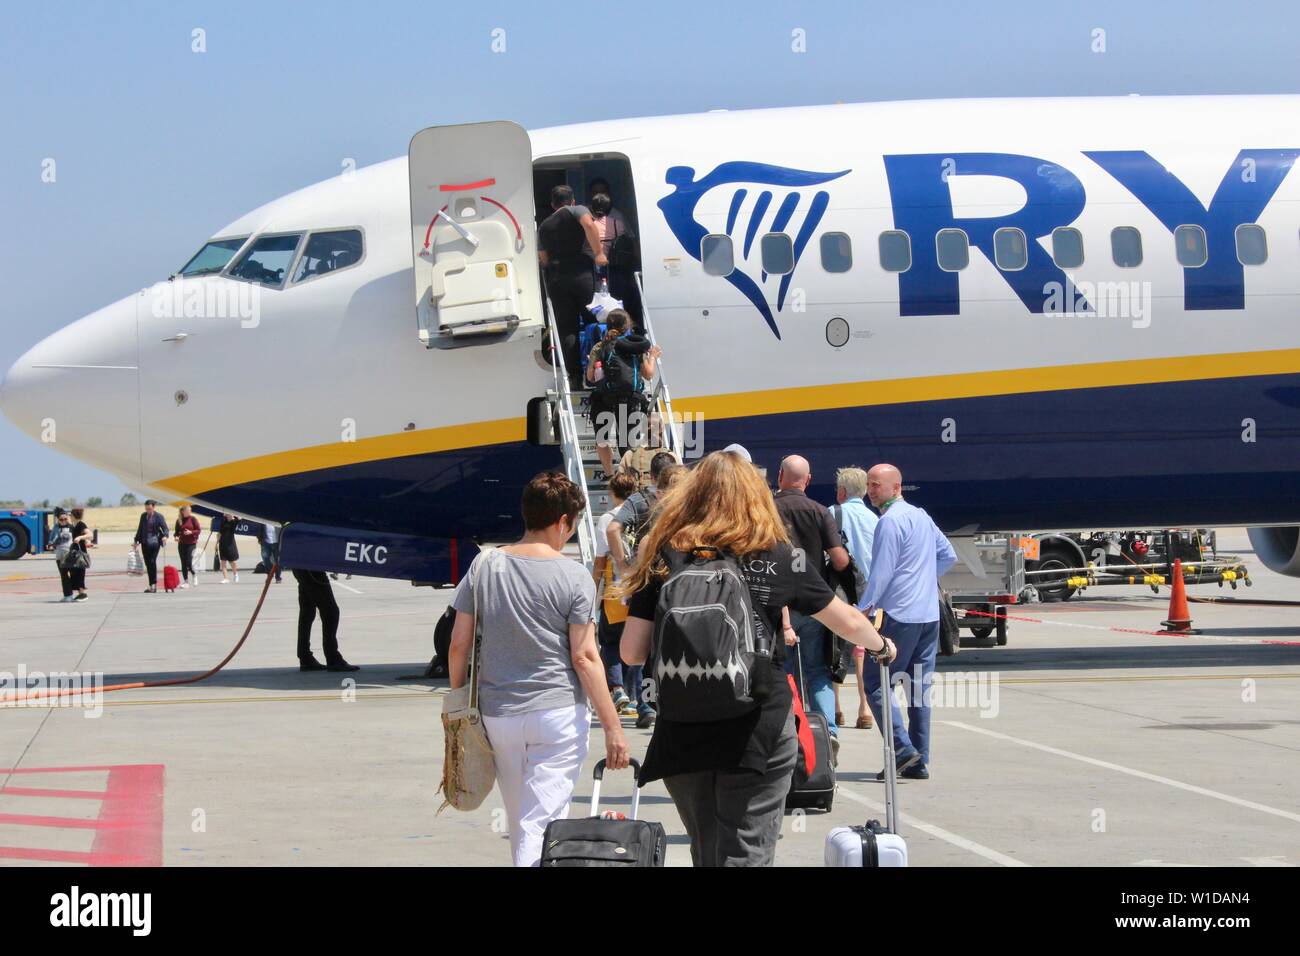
(46, 792)
(128, 830)
(59, 823)
(36, 853)
(1125, 630)
(131, 818)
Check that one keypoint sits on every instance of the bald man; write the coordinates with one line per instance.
(816, 540)
(908, 554)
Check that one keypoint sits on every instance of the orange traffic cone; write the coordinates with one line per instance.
(1180, 619)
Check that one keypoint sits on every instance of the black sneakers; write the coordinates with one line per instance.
(310, 664)
(904, 763)
(341, 665)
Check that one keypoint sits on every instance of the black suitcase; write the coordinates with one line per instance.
(594, 841)
(817, 790)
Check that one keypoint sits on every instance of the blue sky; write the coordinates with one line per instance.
(158, 146)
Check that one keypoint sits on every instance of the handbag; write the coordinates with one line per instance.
(77, 559)
(468, 766)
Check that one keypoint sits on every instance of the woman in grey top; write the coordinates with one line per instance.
(539, 663)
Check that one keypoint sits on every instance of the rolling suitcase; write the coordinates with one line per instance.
(171, 578)
(873, 844)
(818, 788)
(605, 840)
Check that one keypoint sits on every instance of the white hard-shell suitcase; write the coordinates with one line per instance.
(873, 844)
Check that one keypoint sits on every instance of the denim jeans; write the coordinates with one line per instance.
(627, 676)
(816, 672)
(917, 644)
(271, 556)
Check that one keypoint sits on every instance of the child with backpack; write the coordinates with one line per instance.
(617, 368)
(705, 601)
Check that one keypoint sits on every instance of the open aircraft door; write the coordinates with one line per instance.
(472, 234)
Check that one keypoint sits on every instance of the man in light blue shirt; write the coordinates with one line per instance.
(908, 554)
(857, 524)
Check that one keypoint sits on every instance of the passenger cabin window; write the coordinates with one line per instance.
(953, 249)
(1126, 247)
(328, 252)
(837, 252)
(1189, 247)
(267, 260)
(1009, 249)
(1067, 247)
(1252, 245)
(777, 253)
(717, 255)
(895, 251)
(212, 257)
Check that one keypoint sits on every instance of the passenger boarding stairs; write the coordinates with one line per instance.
(577, 437)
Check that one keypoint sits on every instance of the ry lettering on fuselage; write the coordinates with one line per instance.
(920, 193)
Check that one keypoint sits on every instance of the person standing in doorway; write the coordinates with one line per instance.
(564, 239)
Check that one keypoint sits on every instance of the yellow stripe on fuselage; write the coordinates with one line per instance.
(317, 457)
(928, 388)
(749, 404)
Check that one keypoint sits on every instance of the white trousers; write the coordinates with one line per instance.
(538, 756)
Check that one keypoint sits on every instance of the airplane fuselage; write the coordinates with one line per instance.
(1047, 393)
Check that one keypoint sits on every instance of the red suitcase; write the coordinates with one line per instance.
(171, 578)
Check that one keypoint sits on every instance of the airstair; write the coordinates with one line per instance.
(577, 437)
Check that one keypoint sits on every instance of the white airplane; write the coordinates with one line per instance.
(1050, 313)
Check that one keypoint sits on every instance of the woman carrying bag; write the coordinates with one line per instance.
(538, 665)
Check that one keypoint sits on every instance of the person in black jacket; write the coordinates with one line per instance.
(150, 535)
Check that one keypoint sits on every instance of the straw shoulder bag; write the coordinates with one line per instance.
(468, 767)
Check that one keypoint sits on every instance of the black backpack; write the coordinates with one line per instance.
(622, 372)
(710, 654)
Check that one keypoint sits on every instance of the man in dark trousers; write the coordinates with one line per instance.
(315, 593)
(567, 240)
(816, 539)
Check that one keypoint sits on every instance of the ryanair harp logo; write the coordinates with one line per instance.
(763, 199)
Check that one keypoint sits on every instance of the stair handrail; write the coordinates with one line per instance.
(571, 449)
(659, 397)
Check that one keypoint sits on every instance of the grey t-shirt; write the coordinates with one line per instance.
(528, 605)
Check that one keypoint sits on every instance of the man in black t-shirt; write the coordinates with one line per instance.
(563, 240)
(813, 534)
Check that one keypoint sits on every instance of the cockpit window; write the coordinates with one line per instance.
(328, 252)
(267, 260)
(212, 257)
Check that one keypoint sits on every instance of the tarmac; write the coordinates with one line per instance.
(1074, 745)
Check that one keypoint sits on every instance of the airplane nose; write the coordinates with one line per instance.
(77, 390)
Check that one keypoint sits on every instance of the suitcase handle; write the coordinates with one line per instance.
(599, 774)
(887, 732)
